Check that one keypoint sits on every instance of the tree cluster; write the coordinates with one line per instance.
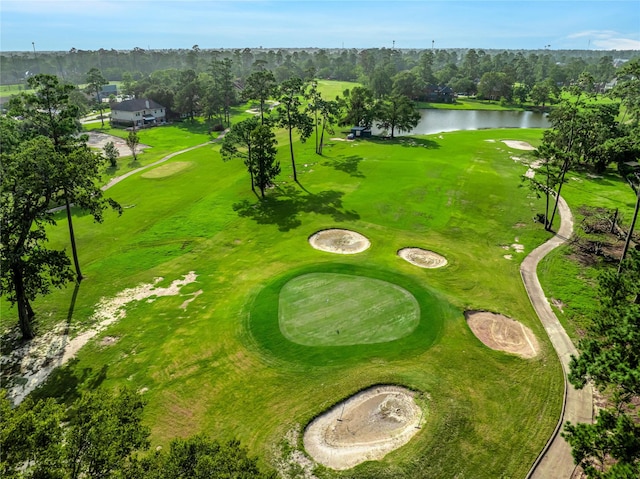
(102, 435)
(348, 64)
(587, 134)
(610, 359)
(45, 163)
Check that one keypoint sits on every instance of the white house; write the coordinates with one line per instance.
(138, 113)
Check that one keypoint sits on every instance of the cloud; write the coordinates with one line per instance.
(609, 39)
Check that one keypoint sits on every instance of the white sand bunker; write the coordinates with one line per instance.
(422, 258)
(339, 241)
(364, 427)
(518, 145)
(503, 334)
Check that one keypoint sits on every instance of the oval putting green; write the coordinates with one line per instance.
(331, 309)
(378, 313)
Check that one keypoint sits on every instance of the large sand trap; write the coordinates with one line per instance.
(422, 258)
(364, 427)
(339, 241)
(99, 140)
(503, 334)
(518, 145)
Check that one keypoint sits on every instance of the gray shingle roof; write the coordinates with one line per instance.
(137, 104)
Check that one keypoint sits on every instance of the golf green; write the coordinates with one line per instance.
(329, 309)
(370, 312)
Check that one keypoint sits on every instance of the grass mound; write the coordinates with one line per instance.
(167, 169)
(329, 309)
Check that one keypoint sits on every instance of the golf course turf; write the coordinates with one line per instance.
(335, 313)
(220, 364)
(329, 309)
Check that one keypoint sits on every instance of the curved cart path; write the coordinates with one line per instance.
(555, 460)
(118, 179)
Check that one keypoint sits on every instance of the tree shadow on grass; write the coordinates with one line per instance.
(283, 206)
(66, 383)
(409, 142)
(347, 165)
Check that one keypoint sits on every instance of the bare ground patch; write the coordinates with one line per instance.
(30, 364)
(518, 145)
(364, 427)
(339, 241)
(502, 333)
(422, 258)
(99, 140)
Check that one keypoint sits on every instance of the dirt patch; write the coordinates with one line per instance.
(422, 258)
(108, 340)
(364, 427)
(32, 363)
(99, 140)
(518, 145)
(503, 334)
(339, 241)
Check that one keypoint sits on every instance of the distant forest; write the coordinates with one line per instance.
(437, 66)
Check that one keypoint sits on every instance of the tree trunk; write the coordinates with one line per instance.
(324, 122)
(25, 312)
(565, 167)
(293, 162)
(72, 235)
(630, 233)
(318, 149)
(250, 161)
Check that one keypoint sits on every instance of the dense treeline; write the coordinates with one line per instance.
(447, 65)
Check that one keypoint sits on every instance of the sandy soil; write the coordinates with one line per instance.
(503, 334)
(36, 360)
(422, 258)
(339, 241)
(518, 145)
(364, 427)
(98, 140)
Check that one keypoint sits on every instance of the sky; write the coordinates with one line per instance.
(59, 25)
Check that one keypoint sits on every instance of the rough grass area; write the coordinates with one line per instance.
(328, 309)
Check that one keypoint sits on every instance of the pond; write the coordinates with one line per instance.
(439, 121)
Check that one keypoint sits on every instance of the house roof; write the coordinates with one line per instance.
(136, 104)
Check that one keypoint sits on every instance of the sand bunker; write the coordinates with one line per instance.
(364, 427)
(518, 145)
(99, 140)
(503, 334)
(422, 258)
(339, 241)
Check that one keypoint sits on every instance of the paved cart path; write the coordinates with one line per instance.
(118, 179)
(555, 461)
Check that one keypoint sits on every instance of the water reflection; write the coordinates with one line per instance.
(439, 121)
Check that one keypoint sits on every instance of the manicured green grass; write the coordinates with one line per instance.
(221, 365)
(330, 89)
(9, 90)
(378, 313)
(333, 309)
(464, 103)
